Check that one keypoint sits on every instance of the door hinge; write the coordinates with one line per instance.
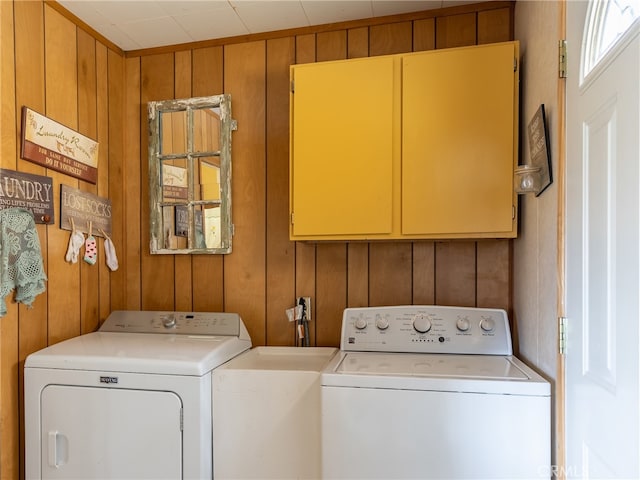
(291, 218)
(293, 86)
(562, 335)
(515, 64)
(562, 59)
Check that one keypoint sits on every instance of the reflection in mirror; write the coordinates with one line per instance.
(190, 175)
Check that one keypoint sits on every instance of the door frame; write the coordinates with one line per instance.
(560, 452)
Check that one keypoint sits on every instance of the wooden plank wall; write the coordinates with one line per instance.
(265, 272)
(58, 69)
(51, 64)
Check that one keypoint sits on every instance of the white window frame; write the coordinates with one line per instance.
(609, 25)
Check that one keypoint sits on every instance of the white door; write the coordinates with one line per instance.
(107, 433)
(602, 406)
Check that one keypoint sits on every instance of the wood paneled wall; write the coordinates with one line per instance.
(58, 69)
(54, 66)
(266, 271)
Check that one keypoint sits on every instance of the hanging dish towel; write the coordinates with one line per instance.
(21, 267)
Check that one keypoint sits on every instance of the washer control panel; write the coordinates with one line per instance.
(188, 323)
(426, 329)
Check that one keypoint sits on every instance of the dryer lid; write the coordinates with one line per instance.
(168, 343)
(140, 353)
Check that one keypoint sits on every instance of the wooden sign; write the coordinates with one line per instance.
(86, 209)
(52, 145)
(33, 192)
(539, 147)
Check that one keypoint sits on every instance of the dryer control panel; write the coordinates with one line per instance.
(189, 323)
(426, 329)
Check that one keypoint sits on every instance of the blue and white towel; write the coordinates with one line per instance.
(21, 267)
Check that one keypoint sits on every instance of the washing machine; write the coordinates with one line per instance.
(432, 392)
(266, 404)
(130, 401)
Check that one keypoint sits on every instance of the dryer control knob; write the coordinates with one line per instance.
(361, 323)
(169, 321)
(463, 324)
(382, 323)
(421, 323)
(487, 324)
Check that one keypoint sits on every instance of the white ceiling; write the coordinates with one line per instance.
(137, 24)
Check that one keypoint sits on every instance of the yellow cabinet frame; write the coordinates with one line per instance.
(459, 141)
(344, 125)
(409, 146)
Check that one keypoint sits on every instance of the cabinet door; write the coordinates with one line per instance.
(342, 146)
(459, 147)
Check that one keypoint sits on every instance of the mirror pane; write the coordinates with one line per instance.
(176, 227)
(212, 226)
(173, 132)
(206, 129)
(171, 240)
(209, 178)
(175, 181)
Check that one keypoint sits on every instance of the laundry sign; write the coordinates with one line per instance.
(90, 213)
(24, 190)
(52, 145)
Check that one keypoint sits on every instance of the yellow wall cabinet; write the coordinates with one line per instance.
(410, 146)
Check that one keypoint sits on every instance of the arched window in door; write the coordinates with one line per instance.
(606, 24)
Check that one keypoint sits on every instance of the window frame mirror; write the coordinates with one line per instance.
(190, 175)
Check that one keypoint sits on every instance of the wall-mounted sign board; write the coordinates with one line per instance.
(52, 145)
(24, 190)
(539, 149)
(86, 209)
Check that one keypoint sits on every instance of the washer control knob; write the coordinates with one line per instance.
(361, 323)
(421, 323)
(487, 324)
(381, 323)
(463, 324)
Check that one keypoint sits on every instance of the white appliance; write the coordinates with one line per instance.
(130, 401)
(266, 405)
(432, 392)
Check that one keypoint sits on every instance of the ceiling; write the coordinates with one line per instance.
(138, 24)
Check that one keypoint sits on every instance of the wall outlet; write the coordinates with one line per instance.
(307, 305)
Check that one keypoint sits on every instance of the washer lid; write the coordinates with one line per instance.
(140, 353)
(438, 372)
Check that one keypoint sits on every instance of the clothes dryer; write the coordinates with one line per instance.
(432, 392)
(130, 401)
